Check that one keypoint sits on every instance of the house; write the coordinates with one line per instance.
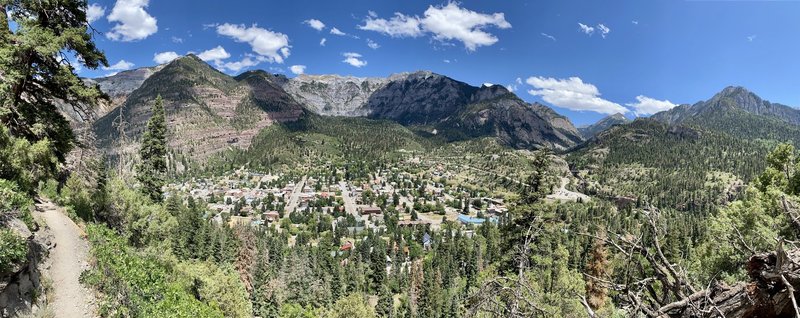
(366, 210)
(412, 223)
(426, 241)
(272, 216)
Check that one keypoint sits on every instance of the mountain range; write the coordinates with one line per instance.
(603, 125)
(218, 110)
(209, 111)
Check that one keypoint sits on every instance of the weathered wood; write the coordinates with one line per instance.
(771, 292)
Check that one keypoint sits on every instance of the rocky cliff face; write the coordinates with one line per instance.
(731, 98)
(455, 109)
(333, 95)
(208, 111)
(514, 122)
(603, 125)
(20, 286)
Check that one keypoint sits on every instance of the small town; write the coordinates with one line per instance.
(257, 199)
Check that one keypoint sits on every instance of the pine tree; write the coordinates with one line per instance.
(385, 306)
(36, 39)
(153, 152)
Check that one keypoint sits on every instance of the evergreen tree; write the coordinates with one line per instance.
(153, 152)
(36, 38)
(385, 306)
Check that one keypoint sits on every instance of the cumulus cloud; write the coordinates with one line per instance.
(604, 30)
(236, 66)
(444, 23)
(315, 24)
(573, 94)
(216, 54)
(354, 59)
(119, 66)
(270, 46)
(165, 57)
(451, 22)
(336, 31)
(398, 26)
(94, 12)
(548, 36)
(133, 22)
(372, 44)
(322, 42)
(585, 28)
(647, 106)
(297, 69)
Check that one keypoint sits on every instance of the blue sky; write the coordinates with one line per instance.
(583, 58)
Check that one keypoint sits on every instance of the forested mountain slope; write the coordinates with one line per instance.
(218, 111)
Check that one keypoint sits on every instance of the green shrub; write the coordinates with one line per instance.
(13, 250)
(136, 284)
(15, 203)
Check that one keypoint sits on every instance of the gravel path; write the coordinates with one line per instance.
(68, 260)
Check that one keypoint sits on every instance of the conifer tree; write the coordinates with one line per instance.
(153, 152)
(37, 40)
(385, 306)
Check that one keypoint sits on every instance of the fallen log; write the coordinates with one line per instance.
(771, 291)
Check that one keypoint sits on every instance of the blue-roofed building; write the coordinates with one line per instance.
(466, 219)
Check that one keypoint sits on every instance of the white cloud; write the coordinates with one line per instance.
(514, 86)
(446, 61)
(604, 30)
(297, 69)
(272, 46)
(444, 23)
(216, 54)
(165, 57)
(572, 93)
(451, 22)
(354, 59)
(751, 38)
(635, 22)
(548, 36)
(322, 42)
(315, 24)
(336, 31)
(585, 28)
(647, 106)
(176, 39)
(133, 22)
(398, 26)
(247, 61)
(372, 44)
(94, 12)
(119, 66)
(372, 14)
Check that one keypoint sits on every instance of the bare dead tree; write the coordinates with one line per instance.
(510, 296)
(655, 287)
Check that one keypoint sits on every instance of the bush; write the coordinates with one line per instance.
(13, 250)
(131, 213)
(13, 203)
(140, 285)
